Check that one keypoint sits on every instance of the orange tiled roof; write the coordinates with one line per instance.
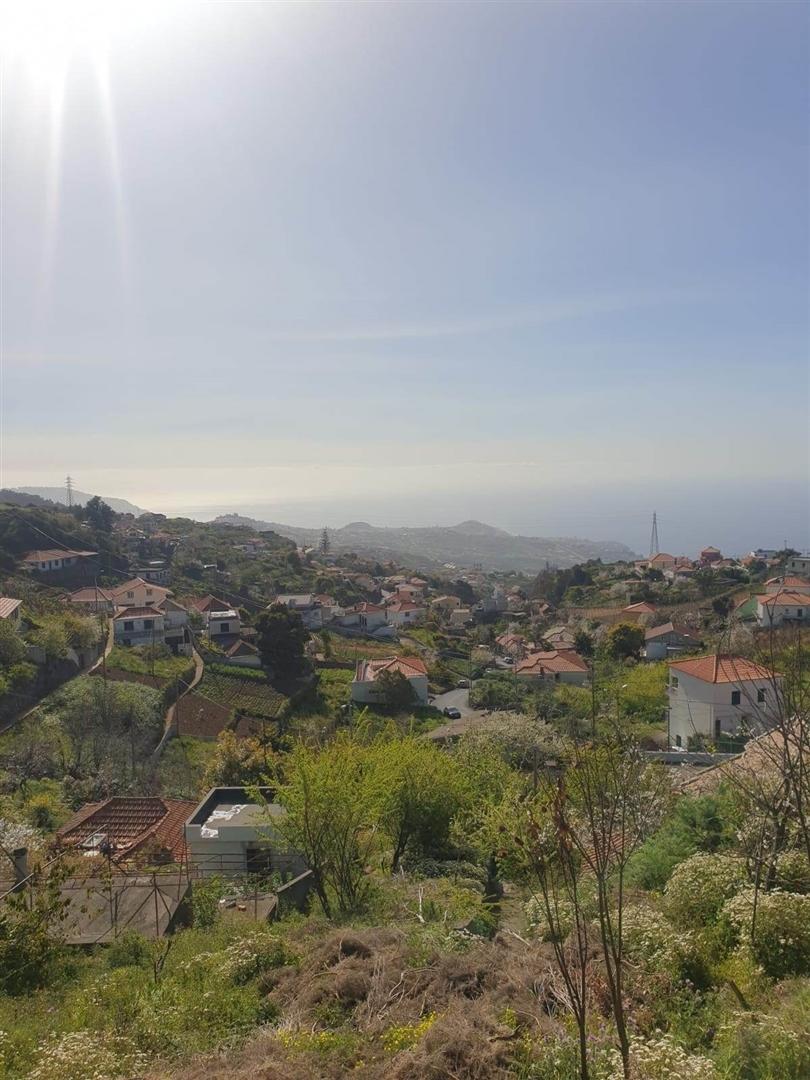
(788, 582)
(138, 613)
(130, 823)
(47, 554)
(723, 669)
(785, 599)
(642, 608)
(409, 666)
(137, 582)
(8, 605)
(554, 662)
(90, 595)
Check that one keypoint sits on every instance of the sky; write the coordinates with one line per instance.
(544, 265)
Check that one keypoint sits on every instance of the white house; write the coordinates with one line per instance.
(223, 623)
(404, 613)
(139, 626)
(798, 564)
(558, 665)
(137, 592)
(783, 607)
(664, 640)
(92, 598)
(55, 560)
(363, 616)
(712, 696)
(365, 688)
(175, 621)
(231, 834)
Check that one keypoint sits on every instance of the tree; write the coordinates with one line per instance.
(332, 806)
(98, 514)
(281, 639)
(395, 690)
(236, 762)
(420, 792)
(584, 643)
(12, 646)
(325, 545)
(624, 640)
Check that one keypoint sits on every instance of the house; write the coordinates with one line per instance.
(446, 604)
(175, 621)
(139, 626)
(203, 604)
(798, 564)
(461, 617)
(709, 555)
(634, 611)
(156, 571)
(231, 833)
(243, 654)
(363, 616)
(139, 593)
(661, 561)
(404, 613)
(10, 610)
(719, 695)
(792, 584)
(559, 637)
(56, 561)
(127, 829)
(783, 607)
(664, 640)
(219, 624)
(295, 601)
(364, 684)
(92, 598)
(558, 665)
(512, 644)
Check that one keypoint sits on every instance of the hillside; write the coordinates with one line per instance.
(468, 544)
(57, 495)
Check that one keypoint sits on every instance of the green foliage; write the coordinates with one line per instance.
(699, 887)
(695, 824)
(281, 639)
(624, 640)
(236, 761)
(777, 926)
(98, 514)
(767, 1045)
(12, 646)
(395, 691)
(138, 661)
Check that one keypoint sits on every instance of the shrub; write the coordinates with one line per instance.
(793, 872)
(781, 941)
(699, 887)
(660, 1058)
(81, 1055)
(653, 941)
(751, 1046)
(130, 950)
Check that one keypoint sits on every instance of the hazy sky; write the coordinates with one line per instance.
(541, 264)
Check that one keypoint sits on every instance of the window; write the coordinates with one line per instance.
(149, 592)
(736, 696)
(678, 741)
(799, 612)
(717, 727)
(760, 695)
(224, 628)
(128, 626)
(674, 683)
(147, 624)
(130, 595)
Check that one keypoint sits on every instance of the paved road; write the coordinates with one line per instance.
(456, 699)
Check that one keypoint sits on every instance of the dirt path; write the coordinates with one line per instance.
(168, 720)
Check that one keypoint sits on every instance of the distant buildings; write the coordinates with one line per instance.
(664, 640)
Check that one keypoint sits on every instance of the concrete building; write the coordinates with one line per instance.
(783, 607)
(137, 592)
(558, 666)
(720, 695)
(404, 613)
(60, 561)
(664, 640)
(139, 626)
(798, 564)
(366, 690)
(231, 834)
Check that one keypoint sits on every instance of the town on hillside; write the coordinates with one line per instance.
(170, 688)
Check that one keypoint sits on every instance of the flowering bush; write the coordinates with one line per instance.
(403, 1036)
(82, 1055)
(660, 1058)
(650, 939)
(756, 1045)
(781, 941)
(793, 872)
(700, 885)
(538, 921)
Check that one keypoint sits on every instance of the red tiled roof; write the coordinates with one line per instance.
(669, 628)
(204, 603)
(554, 662)
(135, 583)
(90, 595)
(138, 613)
(131, 823)
(785, 599)
(54, 553)
(723, 669)
(8, 605)
(404, 605)
(789, 582)
(642, 608)
(409, 666)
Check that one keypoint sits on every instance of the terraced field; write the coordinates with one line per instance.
(250, 695)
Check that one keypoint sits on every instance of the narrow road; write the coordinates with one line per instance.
(168, 721)
(453, 729)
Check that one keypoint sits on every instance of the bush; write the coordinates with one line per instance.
(660, 1058)
(651, 940)
(700, 886)
(781, 941)
(130, 950)
(750, 1046)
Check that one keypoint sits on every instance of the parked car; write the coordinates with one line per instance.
(451, 713)
(463, 684)
(509, 660)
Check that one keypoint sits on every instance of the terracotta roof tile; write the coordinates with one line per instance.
(131, 823)
(723, 669)
(409, 666)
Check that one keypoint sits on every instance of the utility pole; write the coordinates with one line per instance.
(654, 548)
(69, 490)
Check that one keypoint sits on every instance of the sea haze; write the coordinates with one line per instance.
(735, 517)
